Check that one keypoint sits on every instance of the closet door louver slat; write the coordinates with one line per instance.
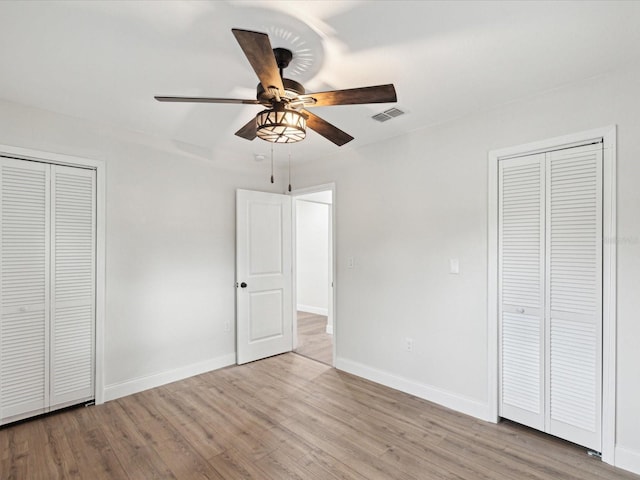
(24, 287)
(521, 294)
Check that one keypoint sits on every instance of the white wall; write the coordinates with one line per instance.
(170, 246)
(404, 208)
(424, 201)
(312, 256)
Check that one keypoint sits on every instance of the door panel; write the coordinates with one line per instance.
(265, 315)
(24, 288)
(263, 264)
(265, 242)
(521, 290)
(73, 285)
(574, 294)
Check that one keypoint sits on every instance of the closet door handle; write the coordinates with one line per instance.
(243, 285)
(520, 310)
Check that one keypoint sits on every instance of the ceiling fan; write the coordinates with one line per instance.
(286, 116)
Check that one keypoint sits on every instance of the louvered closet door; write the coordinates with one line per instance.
(24, 297)
(574, 294)
(73, 285)
(521, 289)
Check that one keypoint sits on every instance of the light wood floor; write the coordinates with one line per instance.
(313, 340)
(285, 417)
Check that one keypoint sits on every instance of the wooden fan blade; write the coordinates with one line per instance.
(206, 100)
(328, 131)
(249, 130)
(257, 48)
(353, 96)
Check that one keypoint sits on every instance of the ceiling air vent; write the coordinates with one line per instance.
(388, 114)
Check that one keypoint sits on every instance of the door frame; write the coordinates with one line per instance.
(608, 137)
(332, 229)
(99, 166)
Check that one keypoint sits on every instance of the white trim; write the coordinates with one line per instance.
(315, 189)
(296, 193)
(329, 328)
(101, 175)
(608, 136)
(492, 290)
(555, 143)
(433, 394)
(627, 459)
(101, 278)
(312, 309)
(129, 387)
(49, 157)
(609, 296)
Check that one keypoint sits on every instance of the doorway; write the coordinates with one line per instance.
(606, 138)
(313, 274)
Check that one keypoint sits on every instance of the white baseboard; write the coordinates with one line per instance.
(447, 399)
(627, 459)
(312, 309)
(129, 387)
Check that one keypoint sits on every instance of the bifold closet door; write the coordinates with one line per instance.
(73, 226)
(550, 292)
(24, 289)
(47, 287)
(574, 294)
(521, 289)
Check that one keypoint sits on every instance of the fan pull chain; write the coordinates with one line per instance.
(272, 163)
(289, 170)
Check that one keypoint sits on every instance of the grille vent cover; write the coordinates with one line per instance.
(388, 114)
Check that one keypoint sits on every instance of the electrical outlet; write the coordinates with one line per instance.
(408, 344)
(350, 262)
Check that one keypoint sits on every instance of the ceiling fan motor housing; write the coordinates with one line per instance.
(292, 90)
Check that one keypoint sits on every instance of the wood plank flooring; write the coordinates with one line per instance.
(286, 417)
(313, 340)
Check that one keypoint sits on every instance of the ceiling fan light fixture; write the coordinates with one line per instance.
(281, 125)
(287, 114)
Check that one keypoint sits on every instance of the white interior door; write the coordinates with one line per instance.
(263, 275)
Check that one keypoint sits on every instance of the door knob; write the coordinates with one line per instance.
(520, 310)
(243, 285)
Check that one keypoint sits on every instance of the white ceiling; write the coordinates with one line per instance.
(104, 61)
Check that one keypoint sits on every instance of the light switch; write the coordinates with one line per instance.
(350, 262)
(454, 266)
